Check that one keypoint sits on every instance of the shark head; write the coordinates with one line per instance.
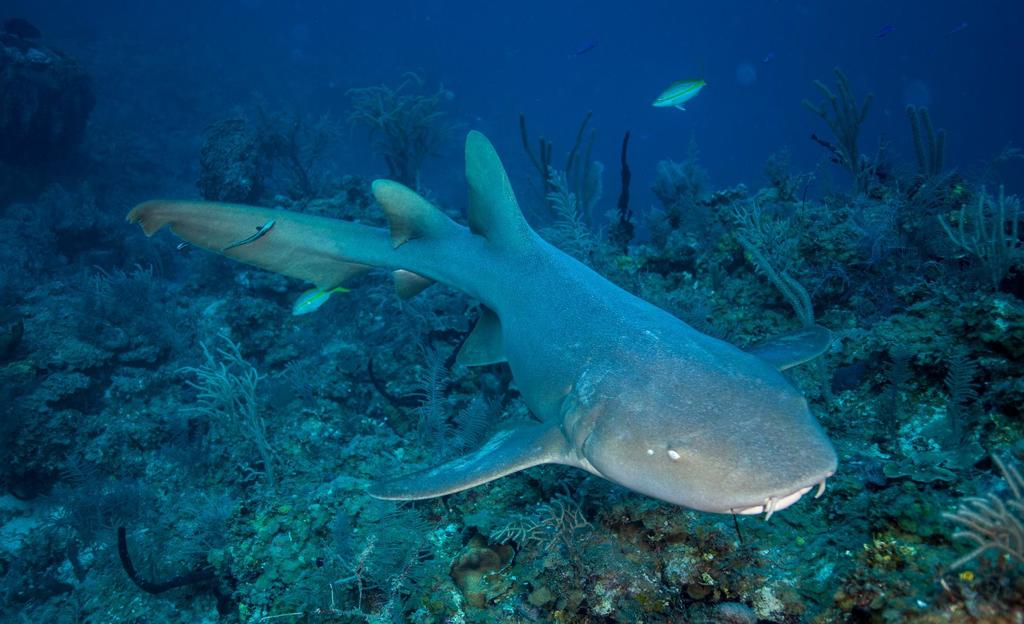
(724, 433)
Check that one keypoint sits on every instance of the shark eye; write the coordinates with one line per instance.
(673, 454)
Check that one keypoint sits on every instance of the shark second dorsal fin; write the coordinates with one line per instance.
(507, 452)
(410, 215)
(794, 348)
(493, 210)
(485, 344)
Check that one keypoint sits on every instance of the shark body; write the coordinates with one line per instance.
(623, 389)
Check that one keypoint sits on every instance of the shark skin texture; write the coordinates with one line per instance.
(623, 389)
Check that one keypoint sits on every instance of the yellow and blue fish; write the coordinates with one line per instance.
(312, 299)
(680, 92)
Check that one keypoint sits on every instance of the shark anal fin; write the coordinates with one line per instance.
(794, 348)
(485, 344)
(507, 452)
(409, 284)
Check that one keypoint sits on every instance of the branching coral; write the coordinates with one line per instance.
(992, 523)
(845, 121)
(682, 188)
(241, 156)
(569, 231)
(930, 150)
(772, 249)
(581, 175)
(991, 233)
(299, 145)
(554, 523)
(226, 384)
(406, 127)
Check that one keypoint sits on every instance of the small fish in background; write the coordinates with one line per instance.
(22, 28)
(583, 49)
(885, 31)
(958, 28)
(312, 299)
(679, 93)
(768, 58)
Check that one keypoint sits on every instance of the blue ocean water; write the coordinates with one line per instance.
(188, 438)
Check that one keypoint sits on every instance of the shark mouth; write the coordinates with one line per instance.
(773, 504)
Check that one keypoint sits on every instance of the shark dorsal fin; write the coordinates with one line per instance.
(410, 215)
(493, 210)
(507, 452)
(794, 348)
(485, 344)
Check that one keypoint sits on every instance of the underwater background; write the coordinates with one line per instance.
(176, 445)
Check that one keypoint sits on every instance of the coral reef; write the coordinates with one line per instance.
(176, 446)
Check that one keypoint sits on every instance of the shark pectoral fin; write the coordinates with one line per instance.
(508, 451)
(409, 284)
(290, 243)
(484, 345)
(794, 348)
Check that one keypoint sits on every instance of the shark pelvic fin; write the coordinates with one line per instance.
(409, 284)
(794, 348)
(410, 215)
(484, 344)
(507, 452)
(493, 210)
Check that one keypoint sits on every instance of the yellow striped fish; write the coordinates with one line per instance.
(313, 298)
(680, 92)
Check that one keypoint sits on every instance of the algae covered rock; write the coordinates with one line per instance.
(233, 163)
(45, 101)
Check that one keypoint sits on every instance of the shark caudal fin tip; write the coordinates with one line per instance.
(144, 215)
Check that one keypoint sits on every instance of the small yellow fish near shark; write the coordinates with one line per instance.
(312, 299)
(679, 93)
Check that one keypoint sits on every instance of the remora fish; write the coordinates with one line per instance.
(679, 93)
(623, 389)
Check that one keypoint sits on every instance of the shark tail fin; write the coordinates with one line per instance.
(507, 452)
(297, 245)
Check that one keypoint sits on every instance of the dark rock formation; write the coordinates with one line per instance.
(45, 101)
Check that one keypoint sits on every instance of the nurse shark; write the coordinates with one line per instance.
(622, 389)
